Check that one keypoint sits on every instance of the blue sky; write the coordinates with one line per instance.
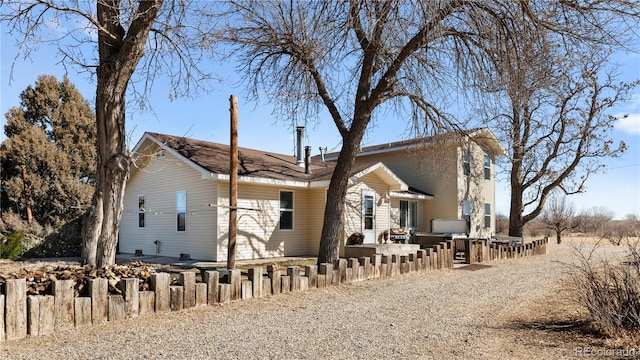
(207, 118)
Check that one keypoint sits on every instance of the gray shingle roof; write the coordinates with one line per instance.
(481, 135)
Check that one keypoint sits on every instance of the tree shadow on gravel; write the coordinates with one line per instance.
(568, 328)
(559, 320)
(473, 267)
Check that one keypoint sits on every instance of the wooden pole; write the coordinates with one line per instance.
(233, 184)
(27, 194)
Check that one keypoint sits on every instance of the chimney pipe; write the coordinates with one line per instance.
(323, 150)
(307, 159)
(300, 134)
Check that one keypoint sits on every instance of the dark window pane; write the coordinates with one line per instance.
(404, 209)
(368, 223)
(466, 161)
(182, 221)
(286, 200)
(413, 214)
(286, 220)
(140, 219)
(487, 167)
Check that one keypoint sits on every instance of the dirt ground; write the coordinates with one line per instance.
(549, 325)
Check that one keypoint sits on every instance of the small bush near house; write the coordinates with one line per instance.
(11, 246)
(610, 291)
(357, 238)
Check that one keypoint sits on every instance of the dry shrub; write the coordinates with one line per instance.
(610, 290)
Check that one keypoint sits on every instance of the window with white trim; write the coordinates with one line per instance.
(286, 210)
(487, 216)
(466, 210)
(487, 167)
(466, 161)
(181, 210)
(408, 214)
(141, 211)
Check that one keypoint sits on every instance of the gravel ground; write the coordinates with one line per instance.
(450, 314)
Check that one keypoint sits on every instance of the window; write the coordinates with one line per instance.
(286, 210)
(466, 210)
(466, 161)
(181, 210)
(141, 211)
(487, 167)
(487, 216)
(408, 214)
(466, 213)
(368, 211)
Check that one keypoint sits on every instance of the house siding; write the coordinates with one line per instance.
(160, 215)
(353, 208)
(439, 170)
(315, 213)
(258, 233)
(477, 190)
(436, 169)
(428, 169)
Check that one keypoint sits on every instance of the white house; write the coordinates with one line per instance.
(177, 196)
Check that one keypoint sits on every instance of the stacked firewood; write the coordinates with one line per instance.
(39, 281)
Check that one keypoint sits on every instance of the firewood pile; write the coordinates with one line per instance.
(39, 281)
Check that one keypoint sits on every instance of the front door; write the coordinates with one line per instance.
(369, 216)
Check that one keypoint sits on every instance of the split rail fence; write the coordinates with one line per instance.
(35, 315)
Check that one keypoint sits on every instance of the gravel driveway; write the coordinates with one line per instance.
(448, 314)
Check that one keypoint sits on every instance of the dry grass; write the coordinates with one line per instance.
(569, 315)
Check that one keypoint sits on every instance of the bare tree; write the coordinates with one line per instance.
(596, 218)
(502, 223)
(559, 215)
(148, 37)
(548, 99)
(360, 59)
(618, 232)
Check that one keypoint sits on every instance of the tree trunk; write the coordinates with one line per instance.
(516, 218)
(333, 212)
(559, 229)
(332, 224)
(27, 194)
(515, 211)
(119, 53)
(113, 171)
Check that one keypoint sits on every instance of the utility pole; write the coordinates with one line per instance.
(27, 194)
(233, 183)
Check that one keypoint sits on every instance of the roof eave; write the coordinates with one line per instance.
(204, 173)
(384, 173)
(263, 181)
